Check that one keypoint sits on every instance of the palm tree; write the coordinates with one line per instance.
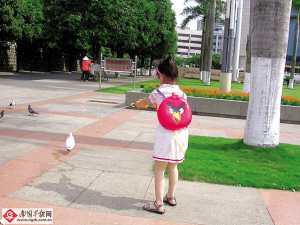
(268, 52)
(210, 10)
(296, 6)
(246, 85)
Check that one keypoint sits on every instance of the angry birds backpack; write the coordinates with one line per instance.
(174, 113)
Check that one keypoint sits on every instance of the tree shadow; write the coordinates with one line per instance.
(80, 195)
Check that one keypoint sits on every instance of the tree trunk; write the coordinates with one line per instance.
(268, 52)
(202, 55)
(49, 59)
(142, 62)
(18, 50)
(296, 37)
(202, 48)
(246, 85)
(151, 61)
(70, 61)
(209, 43)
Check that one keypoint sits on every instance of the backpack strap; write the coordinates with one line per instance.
(161, 94)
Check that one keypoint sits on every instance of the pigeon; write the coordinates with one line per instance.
(31, 111)
(1, 114)
(70, 143)
(12, 104)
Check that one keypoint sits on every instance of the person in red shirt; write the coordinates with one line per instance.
(85, 68)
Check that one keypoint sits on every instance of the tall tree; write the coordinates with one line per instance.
(246, 85)
(165, 35)
(208, 43)
(268, 52)
(296, 6)
(21, 23)
(11, 20)
(66, 34)
(204, 9)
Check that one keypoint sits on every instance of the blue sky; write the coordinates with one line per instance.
(178, 6)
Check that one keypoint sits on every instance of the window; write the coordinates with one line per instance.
(184, 35)
(196, 42)
(196, 48)
(184, 47)
(183, 41)
(196, 36)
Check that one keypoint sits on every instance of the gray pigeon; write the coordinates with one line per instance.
(70, 143)
(1, 114)
(12, 104)
(31, 111)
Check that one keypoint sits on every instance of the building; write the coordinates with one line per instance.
(190, 41)
(289, 53)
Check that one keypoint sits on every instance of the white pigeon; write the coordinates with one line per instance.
(1, 114)
(70, 143)
(12, 104)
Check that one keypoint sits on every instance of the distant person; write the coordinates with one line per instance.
(85, 68)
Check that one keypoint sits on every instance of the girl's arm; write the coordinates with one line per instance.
(143, 102)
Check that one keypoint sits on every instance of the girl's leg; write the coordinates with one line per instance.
(173, 180)
(160, 168)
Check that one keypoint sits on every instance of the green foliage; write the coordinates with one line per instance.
(122, 27)
(150, 87)
(178, 60)
(231, 162)
(194, 60)
(165, 35)
(216, 61)
(202, 9)
(20, 20)
(296, 4)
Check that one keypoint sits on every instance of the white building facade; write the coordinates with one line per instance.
(190, 41)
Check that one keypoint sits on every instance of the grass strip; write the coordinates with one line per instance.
(231, 162)
(122, 89)
(197, 84)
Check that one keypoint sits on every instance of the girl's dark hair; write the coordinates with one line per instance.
(168, 68)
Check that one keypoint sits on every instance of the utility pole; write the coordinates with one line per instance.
(236, 54)
(225, 76)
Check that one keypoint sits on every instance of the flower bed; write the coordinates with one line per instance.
(239, 96)
(220, 107)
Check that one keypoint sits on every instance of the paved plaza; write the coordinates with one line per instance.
(108, 176)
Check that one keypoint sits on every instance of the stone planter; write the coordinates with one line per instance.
(221, 107)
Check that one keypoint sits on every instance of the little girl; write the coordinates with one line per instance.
(167, 150)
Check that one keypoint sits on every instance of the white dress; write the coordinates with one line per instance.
(169, 145)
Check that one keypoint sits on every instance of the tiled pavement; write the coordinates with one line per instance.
(108, 176)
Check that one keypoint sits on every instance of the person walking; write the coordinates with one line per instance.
(85, 68)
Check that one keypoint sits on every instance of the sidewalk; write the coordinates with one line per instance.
(108, 176)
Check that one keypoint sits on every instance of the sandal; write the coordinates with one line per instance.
(156, 210)
(167, 200)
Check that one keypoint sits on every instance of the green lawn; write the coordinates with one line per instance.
(231, 162)
(127, 87)
(199, 84)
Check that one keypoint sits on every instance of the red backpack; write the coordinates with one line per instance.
(174, 113)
